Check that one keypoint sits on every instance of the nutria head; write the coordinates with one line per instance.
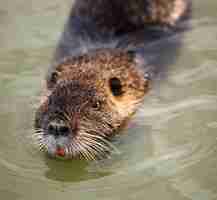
(88, 99)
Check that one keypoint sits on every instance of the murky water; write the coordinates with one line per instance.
(169, 150)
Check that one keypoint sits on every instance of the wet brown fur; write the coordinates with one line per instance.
(124, 16)
(78, 87)
(102, 66)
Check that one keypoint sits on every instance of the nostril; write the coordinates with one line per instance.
(58, 129)
(63, 130)
(51, 128)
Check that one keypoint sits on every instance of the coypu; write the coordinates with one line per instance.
(100, 72)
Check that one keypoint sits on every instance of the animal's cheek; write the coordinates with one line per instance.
(39, 118)
(42, 110)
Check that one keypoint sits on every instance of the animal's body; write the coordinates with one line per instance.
(102, 70)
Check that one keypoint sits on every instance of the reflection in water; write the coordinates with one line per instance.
(170, 146)
(67, 171)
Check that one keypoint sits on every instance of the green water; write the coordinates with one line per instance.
(169, 150)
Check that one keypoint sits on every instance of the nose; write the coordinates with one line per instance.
(58, 128)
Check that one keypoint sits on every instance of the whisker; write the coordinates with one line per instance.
(38, 136)
(89, 151)
(42, 147)
(73, 149)
(83, 152)
(98, 153)
(98, 145)
(92, 151)
(70, 152)
(109, 144)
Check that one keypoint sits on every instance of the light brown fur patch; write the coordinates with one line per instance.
(98, 68)
(166, 12)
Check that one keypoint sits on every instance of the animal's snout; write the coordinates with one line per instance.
(58, 128)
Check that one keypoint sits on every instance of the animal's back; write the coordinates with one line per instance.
(120, 24)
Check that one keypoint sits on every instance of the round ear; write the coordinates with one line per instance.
(116, 86)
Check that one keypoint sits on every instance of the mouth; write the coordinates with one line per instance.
(60, 152)
(84, 147)
(53, 146)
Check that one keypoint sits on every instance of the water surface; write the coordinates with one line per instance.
(169, 150)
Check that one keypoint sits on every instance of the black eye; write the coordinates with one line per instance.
(96, 105)
(116, 87)
(54, 76)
